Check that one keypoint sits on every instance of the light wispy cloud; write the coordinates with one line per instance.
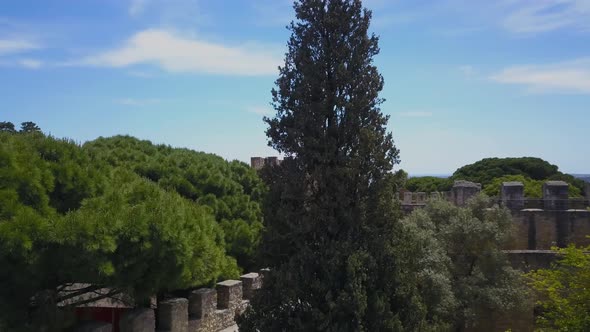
(30, 63)
(415, 114)
(468, 70)
(565, 77)
(137, 102)
(13, 46)
(178, 54)
(460, 17)
(534, 16)
(272, 13)
(260, 110)
(136, 7)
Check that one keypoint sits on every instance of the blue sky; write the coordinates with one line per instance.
(464, 79)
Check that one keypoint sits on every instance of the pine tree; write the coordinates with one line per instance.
(29, 127)
(6, 126)
(332, 238)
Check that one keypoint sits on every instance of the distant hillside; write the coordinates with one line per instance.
(583, 177)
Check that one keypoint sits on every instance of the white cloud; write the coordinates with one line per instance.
(11, 46)
(415, 114)
(30, 63)
(137, 7)
(261, 110)
(566, 77)
(536, 16)
(174, 53)
(467, 70)
(137, 102)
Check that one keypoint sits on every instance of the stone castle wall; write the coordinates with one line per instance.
(205, 310)
(535, 232)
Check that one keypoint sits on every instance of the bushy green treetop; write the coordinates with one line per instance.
(231, 189)
(564, 291)
(476, 272)
(69, 216)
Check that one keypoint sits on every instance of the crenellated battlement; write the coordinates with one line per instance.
(205, 309)
(537, 224)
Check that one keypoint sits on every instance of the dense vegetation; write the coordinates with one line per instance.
(564, 291)
(464, 274)
(487, 170)
(491, 172)
(139, 218)
(429, 184)
(330, 215)
(231, 189)
(341, 258)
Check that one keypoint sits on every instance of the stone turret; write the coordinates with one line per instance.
(463, 190)
(512, 195)
(555, 195)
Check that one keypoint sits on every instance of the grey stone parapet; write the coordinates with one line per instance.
(229, 292)
(173, 315)
(138, 320)
(250, 283)
(556, 195)
(205, 310)
(512, 195)
(202, 303)
(463, 190)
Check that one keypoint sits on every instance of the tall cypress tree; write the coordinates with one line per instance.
(331, 234)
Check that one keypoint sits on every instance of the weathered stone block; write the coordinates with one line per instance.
(512, 194)
(420, 197)
(555, 195)
(407, 198)
(202, 303)
(250, 283)
(229, 294)
(173, 315)
(138, 320)
(463, 190)
(94, 326)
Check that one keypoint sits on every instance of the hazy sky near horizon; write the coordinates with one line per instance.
(464, 80)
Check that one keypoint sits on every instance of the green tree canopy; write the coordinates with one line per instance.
(231, 189)
(477, 273)
(532, 188)
(564, 291)
(29, 127)
(339, 258)
(101, 224)
(487, 170)
(429, 184)
(7, 126)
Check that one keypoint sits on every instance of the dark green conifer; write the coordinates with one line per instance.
(333, 240)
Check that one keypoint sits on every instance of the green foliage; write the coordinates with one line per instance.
(231, 189)
(429, 184)
(149, 240)
(477, 273)
(340, 259)
(6, 126)
(29, 127)
(44, 173)
(68, 216)
(486, 171)
(532, 188)
(564, 291)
